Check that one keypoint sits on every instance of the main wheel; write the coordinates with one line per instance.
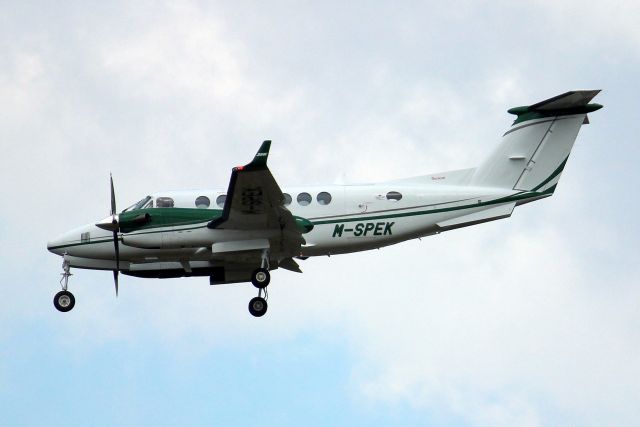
(257, 306)
(64, 301)
(260, 278)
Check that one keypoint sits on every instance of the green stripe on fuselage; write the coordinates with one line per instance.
(165, 217)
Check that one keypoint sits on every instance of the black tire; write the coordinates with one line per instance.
(64, 301)
(260, 278)
(257, 306)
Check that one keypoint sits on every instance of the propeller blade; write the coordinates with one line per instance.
(113, 196)
(116, 245)
(115, 280)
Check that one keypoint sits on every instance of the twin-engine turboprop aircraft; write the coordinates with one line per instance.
(242, 234)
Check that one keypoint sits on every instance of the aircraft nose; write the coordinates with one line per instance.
(66, 241)
(79, 241)
(55, 245)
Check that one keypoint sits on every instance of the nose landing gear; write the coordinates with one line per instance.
(64, 300)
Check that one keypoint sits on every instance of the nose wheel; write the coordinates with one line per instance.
(64, 300)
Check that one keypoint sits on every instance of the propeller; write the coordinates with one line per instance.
(116, 244)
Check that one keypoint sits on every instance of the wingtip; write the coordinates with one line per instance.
(262, 155)
(264, 148)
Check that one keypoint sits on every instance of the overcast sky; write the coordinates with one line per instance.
(531, 321)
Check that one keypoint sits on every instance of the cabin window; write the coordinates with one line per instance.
(394, 196)
(85, 237)
(220, 200)
(304, 199)
(164, 202)
(287, 199)
(202, 202)
(324, 198)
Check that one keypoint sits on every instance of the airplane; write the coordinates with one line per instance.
(254, 227)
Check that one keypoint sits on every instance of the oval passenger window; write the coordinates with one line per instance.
(202, 202)
(324, 198)
(394, 195)
(304, 199)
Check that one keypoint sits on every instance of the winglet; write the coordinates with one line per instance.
(261, 156)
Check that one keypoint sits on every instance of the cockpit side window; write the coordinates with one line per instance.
(142, 204)
(164, 202)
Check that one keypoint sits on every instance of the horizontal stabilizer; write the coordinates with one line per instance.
(491, 214)
(569, 103)
(571, 99)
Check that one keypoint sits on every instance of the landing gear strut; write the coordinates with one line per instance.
(64, 300)
(260, 279)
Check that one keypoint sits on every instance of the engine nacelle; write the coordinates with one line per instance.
(177, 239)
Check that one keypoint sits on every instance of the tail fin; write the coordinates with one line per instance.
(532, 154)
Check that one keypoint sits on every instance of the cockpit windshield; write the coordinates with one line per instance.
(142, 204)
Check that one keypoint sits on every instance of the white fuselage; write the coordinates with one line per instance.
(357, 218)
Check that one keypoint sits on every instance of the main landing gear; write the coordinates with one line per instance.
(260, 279)
(64, 300)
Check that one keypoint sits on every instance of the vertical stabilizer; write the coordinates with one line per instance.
(533, 152)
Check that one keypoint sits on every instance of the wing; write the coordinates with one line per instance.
(256, 203)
